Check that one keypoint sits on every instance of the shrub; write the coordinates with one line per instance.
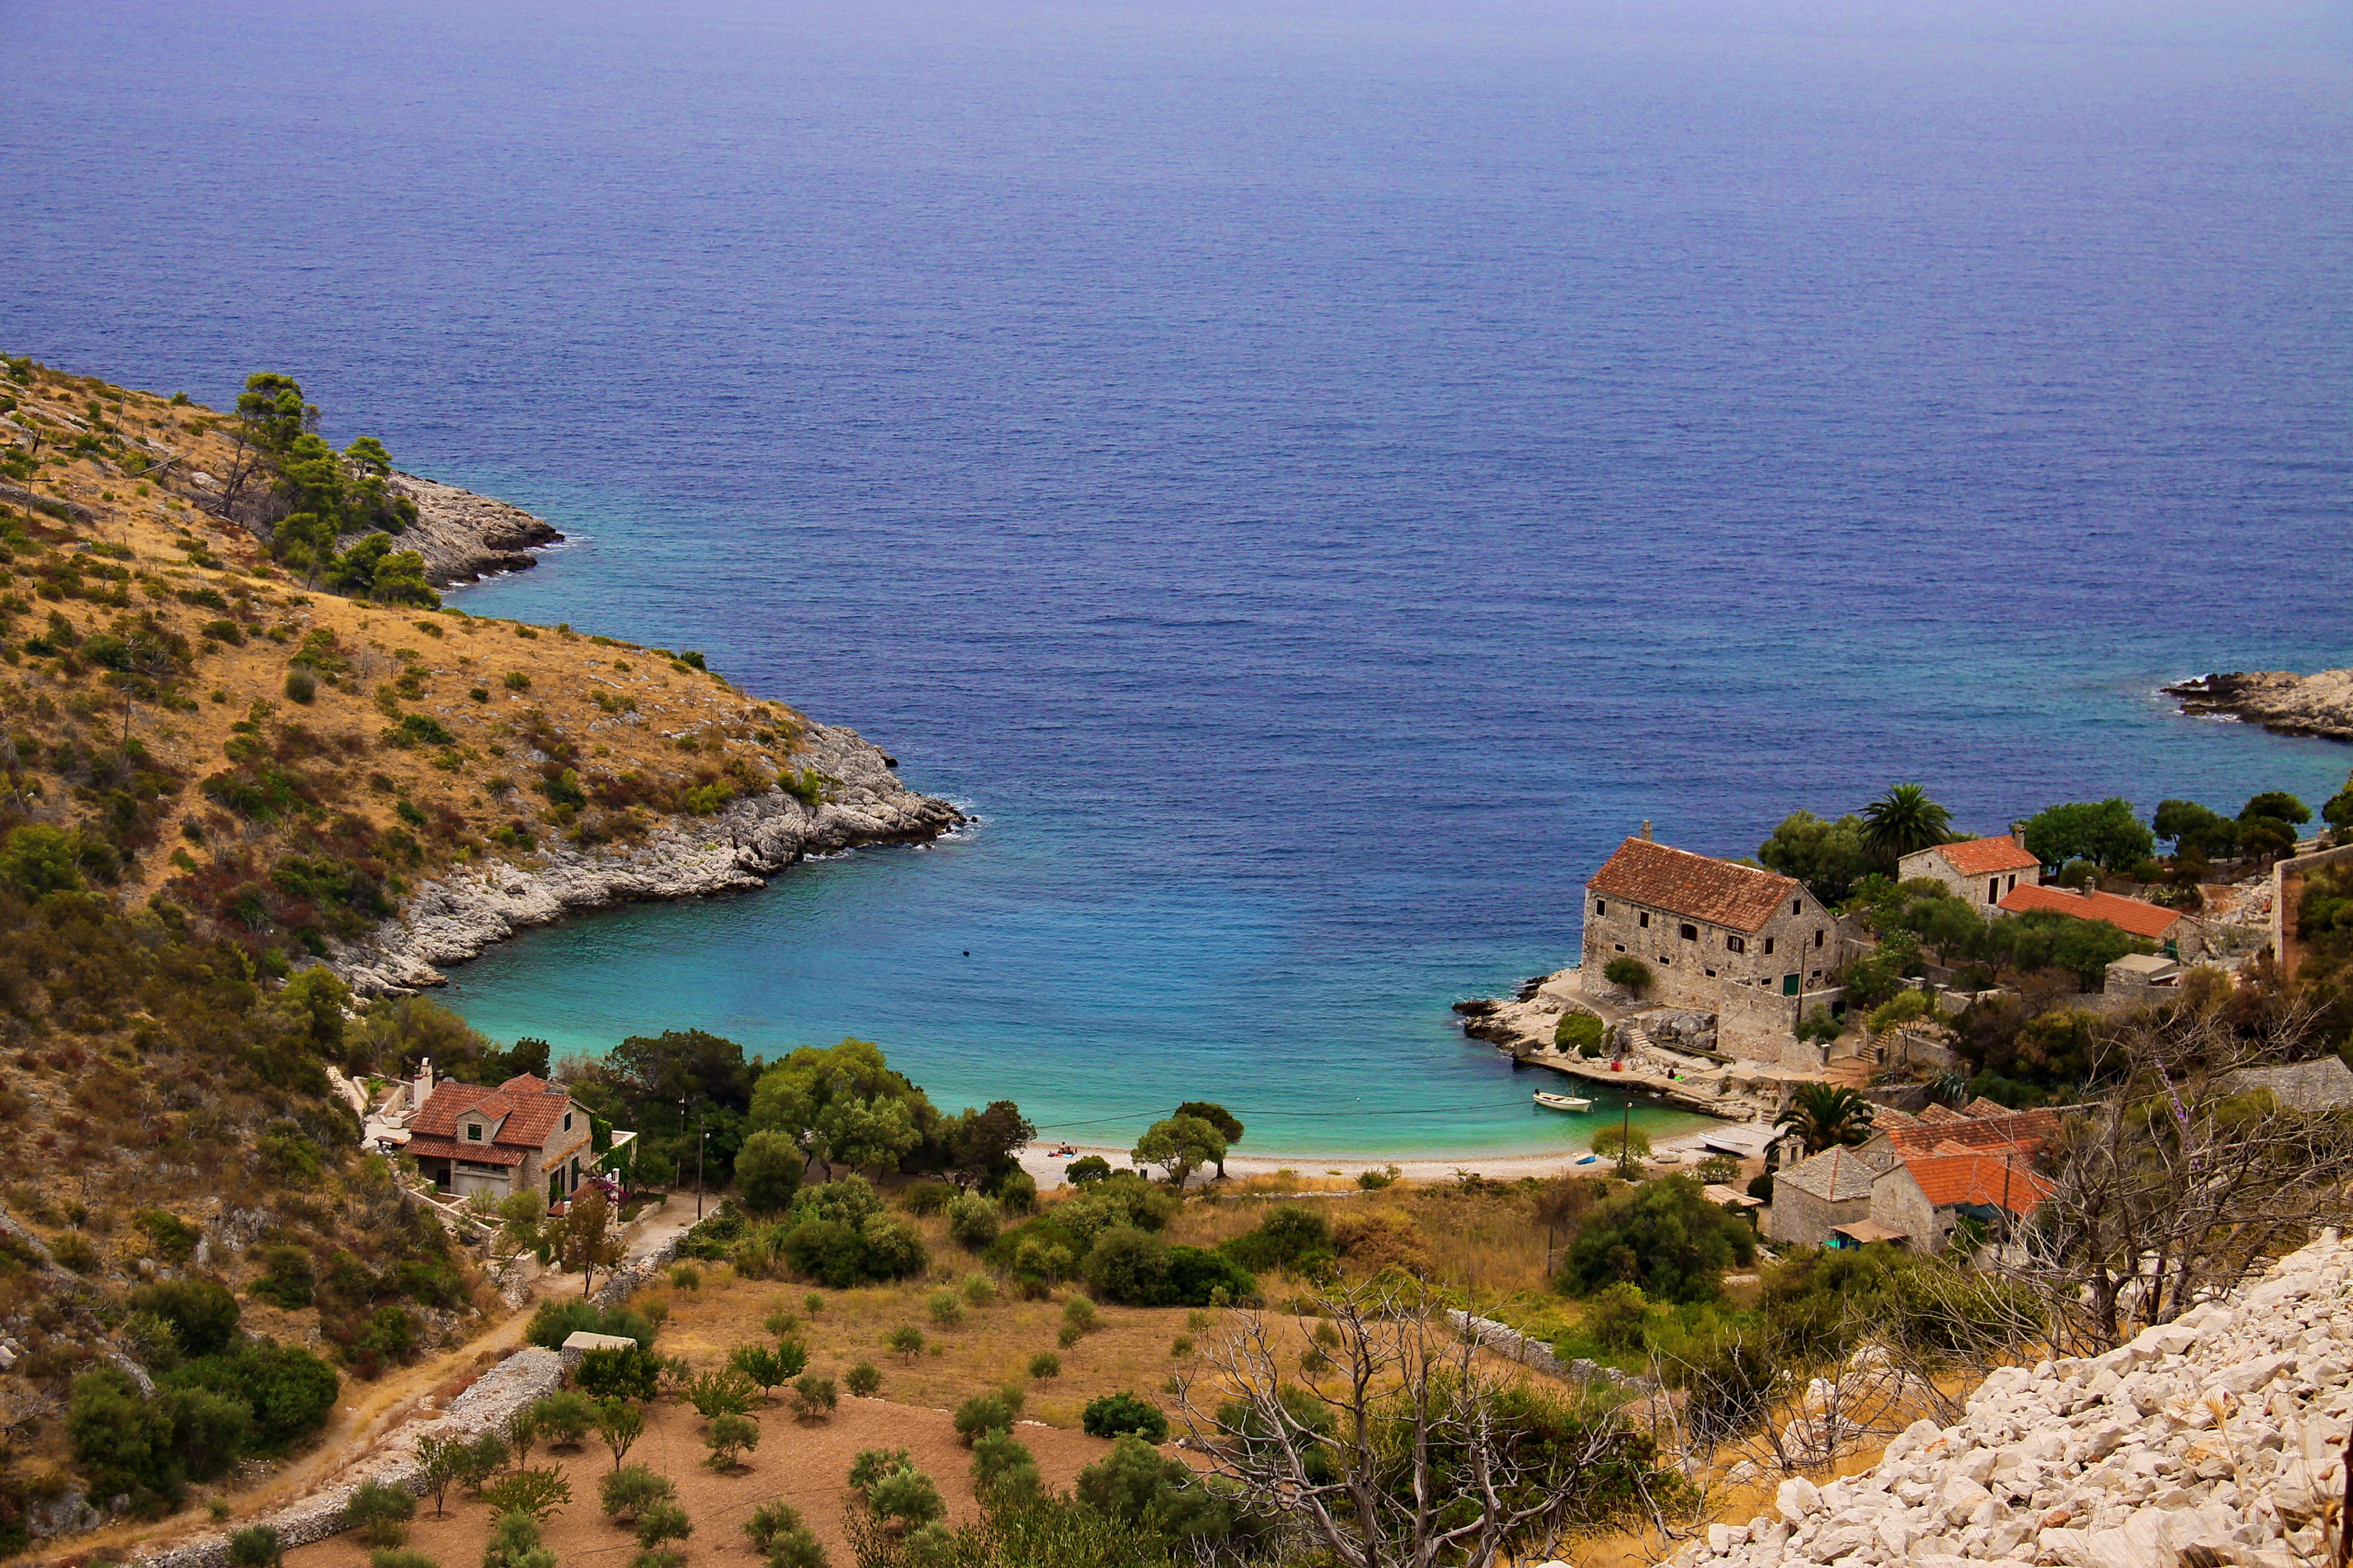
(979, 1289)
(620, 1424)
(1718, 1169)
(862, 1379)
(1117, 1415)
(662, 1521)
(727, 1437)
(565, 1418)
(906, 1340)
(1761, 1187)
(629, 1490)
(301, 686)
(1628, 974)
(1618, 1316)
(769, 1367)
(1086, 1170)
(906, 1496)
(1140, 1488)
(726, 1392)
(203, 1315)
(633, 1372)
(945, 1309)
(1017, 1192)
(1045, 1364)
(686, 1276)
(536, 1493)
(814, 1397)
(514, 1544)
(769, 1521)
(1079, 1313)
(1069, 1334)
(1374, 1181)
(1578, 1032)
(290, 1391)
(1293, 1237)
(380, 1512)
(122, 1443)
(927, 1198)
(873, 1464)
(973, 1221)
(1004, 1470)
(982, 1412)
(556, 1322)
(255, 1546)
(391, 1557)
(1664, 1236)
(797, 1549)
(768, 1172)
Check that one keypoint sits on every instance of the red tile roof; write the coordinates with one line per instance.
(2025, 1131)
(1984, 856)
(1741, 898)
(1978, 1180)
(2131, 915)
(528, 1110)
(1940, 1114)
(474, 1153)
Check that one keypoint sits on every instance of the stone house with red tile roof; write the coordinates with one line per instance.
(525, 1135)
(1978, 871)
(2177, 935)
(2024, 1133)
(1846, 1197)
(1751, 946)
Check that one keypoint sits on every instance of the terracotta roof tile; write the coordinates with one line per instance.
(528, 1110)
(1940, 1115)
(2131, 915)
(2018, 1130)
(1981, 1106)
(1740, 898)
(1984, 856)
(1978, 1180)
(474, 1153)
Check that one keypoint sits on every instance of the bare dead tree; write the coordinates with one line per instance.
(1415, 1457)
(2180, 1181)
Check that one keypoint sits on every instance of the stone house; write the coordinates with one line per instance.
(2177, 935)
(2021, 1134)
(1750, 946)
(1850, 1197)
(1978, 871)
(525, 1135)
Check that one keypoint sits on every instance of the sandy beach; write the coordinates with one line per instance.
(1040, 1161)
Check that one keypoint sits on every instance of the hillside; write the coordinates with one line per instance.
(202, 721)
(240, 736)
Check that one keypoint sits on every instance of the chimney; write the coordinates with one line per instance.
(2018, 834)
(1646, 830)
(422, 1089)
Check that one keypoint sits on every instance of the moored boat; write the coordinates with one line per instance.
(1562, 1101)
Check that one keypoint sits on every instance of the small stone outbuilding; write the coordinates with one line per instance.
(1979, 871)
(2177, 935)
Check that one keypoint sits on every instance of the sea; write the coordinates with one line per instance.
(1307, 476)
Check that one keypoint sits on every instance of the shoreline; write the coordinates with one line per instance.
(1421, 1167)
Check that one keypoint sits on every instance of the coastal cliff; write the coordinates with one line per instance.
(2280, 701)
(458, 915)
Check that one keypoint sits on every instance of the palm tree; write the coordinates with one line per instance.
(1903, 820)
(1822, 1114)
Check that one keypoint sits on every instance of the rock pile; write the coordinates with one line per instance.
(2216, 1440)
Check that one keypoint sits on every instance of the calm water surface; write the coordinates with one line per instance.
(1308, 479)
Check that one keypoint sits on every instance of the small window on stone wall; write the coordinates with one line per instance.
(1734, 945)
(1768, 947)
(1643, 920)
(1688, 932)
(1818, 938)
(1600, 906)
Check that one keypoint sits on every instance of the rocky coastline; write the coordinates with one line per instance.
(2281, 700)
(459, 915)
(465, 537)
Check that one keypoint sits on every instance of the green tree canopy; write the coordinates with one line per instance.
(1179, 1145)
(1828, 857)
(1663, 1236)
(982, 1144)
(844, 1106)
(1229, 1126)
(2106, 832)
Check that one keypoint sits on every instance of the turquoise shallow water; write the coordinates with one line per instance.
(1309, 477)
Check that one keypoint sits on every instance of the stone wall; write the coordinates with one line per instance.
(1505, 1339)
(523, 1378)
(1800, 1218)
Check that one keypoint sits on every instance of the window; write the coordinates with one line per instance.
(2013, 881)
(1734, 945)
(1600, 906)
(1788, 985)
(1818, 938)
(1768, 947)
(1643, 920)
(1993, 889)
(474, 1131)
(567, 1122)
(1815, 974)
(1711, 974)
(1796, 906)
(1619, 946)
(1688, 932)
(575, 1174)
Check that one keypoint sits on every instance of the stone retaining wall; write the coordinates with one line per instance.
(520, 1380)
(1505, 1339)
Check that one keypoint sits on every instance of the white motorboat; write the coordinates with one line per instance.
(1562, 1101)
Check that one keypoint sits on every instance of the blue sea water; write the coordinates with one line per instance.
(1309, 478)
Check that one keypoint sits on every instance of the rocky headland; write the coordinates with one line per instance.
(459, 915)
(465, 537)
(2216, 1440)
(2280, 701)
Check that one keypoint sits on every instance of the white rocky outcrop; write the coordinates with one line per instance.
(2219, 1438)
(457, 915)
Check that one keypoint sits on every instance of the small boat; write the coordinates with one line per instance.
(1562, 1101)
(1585, 1160)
